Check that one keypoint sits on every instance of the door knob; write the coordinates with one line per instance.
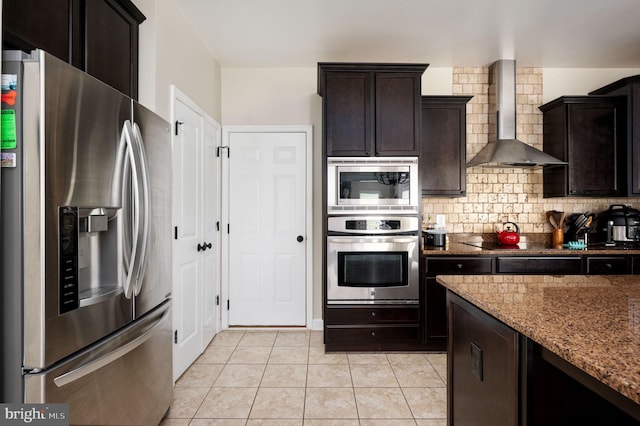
(300, 238)
(204, 246)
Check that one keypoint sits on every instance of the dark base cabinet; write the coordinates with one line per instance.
(555, 393)
(372, 327)
(435, 330)
(482, 368)
(496, 376)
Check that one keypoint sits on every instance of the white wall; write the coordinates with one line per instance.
(171, 52)
(579, 81)
(437, 81)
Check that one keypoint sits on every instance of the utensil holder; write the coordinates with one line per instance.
(557, 237)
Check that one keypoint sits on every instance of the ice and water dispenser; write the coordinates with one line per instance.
(90, 253)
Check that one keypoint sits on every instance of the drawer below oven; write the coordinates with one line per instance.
(371, 314)
(371, 337)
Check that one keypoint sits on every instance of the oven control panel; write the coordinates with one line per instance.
(372, 224)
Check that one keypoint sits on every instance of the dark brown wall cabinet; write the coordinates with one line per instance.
(588, 132)
(443, 146)
(370, 109)
(97, 36)
(629, 88)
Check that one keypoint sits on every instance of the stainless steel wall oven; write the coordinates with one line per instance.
(373, 259)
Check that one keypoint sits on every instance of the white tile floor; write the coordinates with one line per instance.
(283, 378)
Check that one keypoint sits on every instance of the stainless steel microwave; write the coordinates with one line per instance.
(362, 185)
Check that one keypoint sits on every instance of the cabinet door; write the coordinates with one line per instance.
(482, 367)
(592, 150)
(443, 145)
(111, 44)
(397, 105)
(435, 330)
(436, 313)
(589, 133)
(347, 114)
(44, 24)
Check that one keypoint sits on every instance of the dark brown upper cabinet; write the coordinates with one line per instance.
(443, 147)
(629, 87)
(97, 36)
(588, 132)
(370, 109)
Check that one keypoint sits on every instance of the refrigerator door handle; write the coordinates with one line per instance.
(92, 366)
(133, 161)
(144, 207)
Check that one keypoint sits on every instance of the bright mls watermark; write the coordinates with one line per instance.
(34, 414)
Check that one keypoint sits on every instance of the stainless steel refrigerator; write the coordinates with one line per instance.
(86, 245)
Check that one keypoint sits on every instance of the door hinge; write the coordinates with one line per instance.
(227, 304)
(218, 149)
(175, 232)
(175, 336)
(217, 300)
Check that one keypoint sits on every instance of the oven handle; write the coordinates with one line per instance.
(369, 234)
(373, 239)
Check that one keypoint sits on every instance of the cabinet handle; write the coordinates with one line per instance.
(459, 265)
(373, 333)
(608, 265)
(373, 313)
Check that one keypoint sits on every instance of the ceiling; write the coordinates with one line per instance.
(443, 33)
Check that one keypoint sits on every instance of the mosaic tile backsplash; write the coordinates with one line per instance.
(495, 196)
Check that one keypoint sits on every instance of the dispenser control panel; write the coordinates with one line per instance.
(68, 258)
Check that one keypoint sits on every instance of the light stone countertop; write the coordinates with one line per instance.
(591, 321)
(461, 249)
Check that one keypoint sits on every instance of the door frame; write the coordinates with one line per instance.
(226, 131)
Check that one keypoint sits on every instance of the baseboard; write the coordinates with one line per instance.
(317, 324)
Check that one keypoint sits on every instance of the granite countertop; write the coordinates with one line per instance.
(530, 244)
(591, 321)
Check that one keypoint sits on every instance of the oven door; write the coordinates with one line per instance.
(373, 269)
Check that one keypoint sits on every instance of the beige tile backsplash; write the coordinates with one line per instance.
(495, 196)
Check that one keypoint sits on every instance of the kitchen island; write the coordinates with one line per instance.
(566, 329)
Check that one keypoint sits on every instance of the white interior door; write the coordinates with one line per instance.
(210, 231)
(196, 213)
(187, 220)
(267, 202)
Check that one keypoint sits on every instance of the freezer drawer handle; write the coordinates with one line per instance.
(89, 368)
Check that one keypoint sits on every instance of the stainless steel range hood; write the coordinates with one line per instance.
(506, 150)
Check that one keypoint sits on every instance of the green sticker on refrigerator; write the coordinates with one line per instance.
(8, 129)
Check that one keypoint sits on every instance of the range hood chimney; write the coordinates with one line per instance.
(506, 150)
